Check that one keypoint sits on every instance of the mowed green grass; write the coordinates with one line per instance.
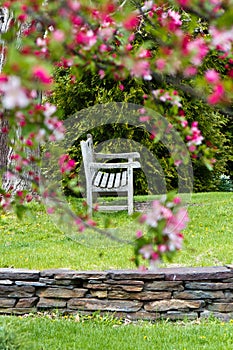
(67, 334)
(35, 242)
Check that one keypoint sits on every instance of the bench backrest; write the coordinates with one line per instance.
(87, 154)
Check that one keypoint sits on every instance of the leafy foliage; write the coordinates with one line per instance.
(72, 96)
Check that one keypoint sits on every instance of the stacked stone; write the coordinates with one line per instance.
(172, 293)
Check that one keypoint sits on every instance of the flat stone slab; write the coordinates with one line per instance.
(14, 291)
(173, 304)
(197, 273)
(7, 302)
(221, 307)
(51, 303)
(26, 303)
(62, 293)
(148, 295)
(19, 274)
(83, 275)
(5, 282)
(164, 285)
(199, 294)
(52, 272)
(209, 285)
(104, 305)
(135, 274)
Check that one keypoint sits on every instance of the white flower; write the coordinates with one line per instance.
(13, 93)
(49, 110)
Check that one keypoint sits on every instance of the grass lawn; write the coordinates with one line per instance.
(35, 242)
(46, 333)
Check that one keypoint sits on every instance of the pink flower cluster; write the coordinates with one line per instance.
(195, 137)
(171, 19)
(13, 94)
(164, 224)
(170, 97)
(66, 163)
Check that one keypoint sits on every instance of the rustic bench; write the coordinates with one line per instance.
(104, 177)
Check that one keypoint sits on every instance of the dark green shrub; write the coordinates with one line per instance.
(225, 183)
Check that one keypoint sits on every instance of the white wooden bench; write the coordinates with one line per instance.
(108, 177)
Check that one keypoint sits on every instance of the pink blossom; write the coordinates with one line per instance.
(184, 3)
(192, 148)
(147, 6)
(41, 42)
(106, 33)
(131, 22)
(212, 76)
(74, 5)
(166, 212)
(217, 95)
(14, 95)
(139, 234)
(50, 210)
(167, 96)
(153, 216)
(91, 222)
(190, 71)
(141, 69)
(66, 164)
(198, 49)
(86, 38)
(129, 47)
(171, 19)
(41, 74)
(103, 48)
(19, 193)
(101, 73)
(29, 142)
(146, 251)
(183, 122)
(195, 137)
(49, 109)
(144, 53)
(162, 248)
(176, 19)
(29, 197)
(145, 118)
(222, 39)
(154, 256)
(160, 63)
(58, 35)
(177, 200)
(177, 162)
(142, 268)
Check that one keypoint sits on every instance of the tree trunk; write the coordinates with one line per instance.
(4, 148)
(16, 182)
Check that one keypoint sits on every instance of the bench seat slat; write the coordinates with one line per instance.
(124, 178)
(117, 180)
(104, 180)
(98, 178)
(111, 180)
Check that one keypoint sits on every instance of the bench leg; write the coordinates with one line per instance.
(130, 191)
(89, 201)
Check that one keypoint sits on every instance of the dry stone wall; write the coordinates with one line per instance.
(171, 293)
